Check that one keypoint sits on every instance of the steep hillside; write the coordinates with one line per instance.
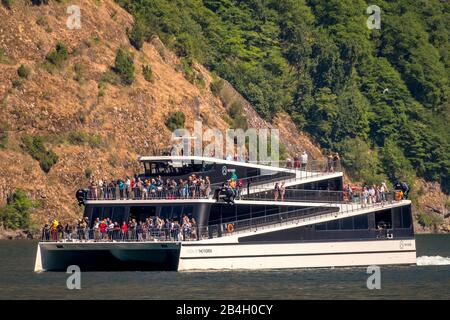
(94, 127)
(72, 100)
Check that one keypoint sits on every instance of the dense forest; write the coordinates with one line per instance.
(380, 97)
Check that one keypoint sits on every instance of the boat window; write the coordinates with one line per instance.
(96, 213)
(228, 213)
(333, 225)
(361, 222)
(107, 213)
(397, 217)
(142, 213)
(406, 217)
(119, 214)
(208, 166)
(321, 227)
(347, 224)
(383, 219)
(188, 210)
(177, 211)
(166, 212)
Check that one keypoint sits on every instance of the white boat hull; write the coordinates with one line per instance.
(297, 255)
(206, 255)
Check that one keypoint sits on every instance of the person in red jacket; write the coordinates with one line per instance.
(124, 230)
(103, 226)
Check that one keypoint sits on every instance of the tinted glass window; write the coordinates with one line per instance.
(177, 211)
(397, 217)
(188, 210)
(96, 213)
(119, 214)
(228, 213)
(166, 211)
(383, 218)
(361, 222)
(406, 217)
(333, 225)
(347, 224)
(321, 227)
(107, 213)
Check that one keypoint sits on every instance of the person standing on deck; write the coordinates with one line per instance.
(336, 161)
(304, 159)
(330, 163)
(276, 191)
(124, 231)
(282, 191)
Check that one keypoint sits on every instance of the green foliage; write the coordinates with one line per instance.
(80, 138)
(23, 71)
(78, 68)
(430, 220)
(34, 146)
(236, 113)
(110, 77)
(216, 86)
(361, 162)
(318, 61)
(88, 173)
(4, 127)
(396, 165)
(17, 83)
(137, 34)
(16, 213)
(175, 120)
(147, 73)
(58, 56)
(124, 66)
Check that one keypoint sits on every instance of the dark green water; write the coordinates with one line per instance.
(18, 281)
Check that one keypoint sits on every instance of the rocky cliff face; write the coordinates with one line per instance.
(122, 121)
(118, 122)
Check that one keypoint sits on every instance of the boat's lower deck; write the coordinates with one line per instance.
(145, 256)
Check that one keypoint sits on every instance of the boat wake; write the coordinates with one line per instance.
(432, 261)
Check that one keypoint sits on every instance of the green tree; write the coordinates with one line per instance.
(137, 34)
(147, 73)
(58, 56)
(23, 71)
(16, 213)
(175, 120)
(34, 146)
(124, 66)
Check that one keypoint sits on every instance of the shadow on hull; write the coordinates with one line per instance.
(112, 260)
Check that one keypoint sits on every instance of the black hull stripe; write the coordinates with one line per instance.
(184, 244)
(298, 254)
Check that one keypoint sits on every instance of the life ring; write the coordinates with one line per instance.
(230, 228)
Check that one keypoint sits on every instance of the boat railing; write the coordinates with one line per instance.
(334, 210)
(252, 193)
(326, 196)
(319, 165)
(215, 229)
(115, 193)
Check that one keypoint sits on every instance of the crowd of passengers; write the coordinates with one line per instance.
(136, 188)
(153, 228)
(377, 193)
(368, 194)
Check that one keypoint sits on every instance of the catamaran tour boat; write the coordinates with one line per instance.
(313, 222)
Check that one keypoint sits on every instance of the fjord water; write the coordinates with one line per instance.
(430, 279)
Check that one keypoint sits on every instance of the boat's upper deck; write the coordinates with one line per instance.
(191, 177)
